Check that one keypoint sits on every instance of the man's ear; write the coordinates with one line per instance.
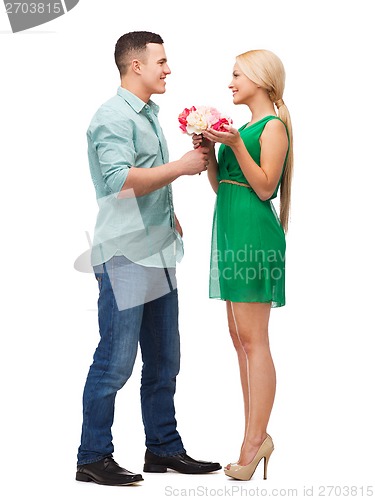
(136, 66)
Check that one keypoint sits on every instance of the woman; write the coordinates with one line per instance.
(248, 240)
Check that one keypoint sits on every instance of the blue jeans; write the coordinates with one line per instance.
(154, 324)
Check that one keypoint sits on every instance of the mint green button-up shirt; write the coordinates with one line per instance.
(125, 133)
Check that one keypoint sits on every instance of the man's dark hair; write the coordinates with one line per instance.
(131, 43)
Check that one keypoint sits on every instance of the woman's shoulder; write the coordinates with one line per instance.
(275, 124)
(275, 130)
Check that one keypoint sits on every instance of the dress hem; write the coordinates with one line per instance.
(274, 304)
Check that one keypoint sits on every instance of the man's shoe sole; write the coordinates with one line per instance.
(81, 476)
(164, 468)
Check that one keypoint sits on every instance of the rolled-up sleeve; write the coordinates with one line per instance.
(112, 139)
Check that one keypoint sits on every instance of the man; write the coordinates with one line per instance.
(136, 243)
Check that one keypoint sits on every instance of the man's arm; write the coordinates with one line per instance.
(145, 180)
(113, 142)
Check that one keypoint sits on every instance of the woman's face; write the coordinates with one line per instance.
(242, 87)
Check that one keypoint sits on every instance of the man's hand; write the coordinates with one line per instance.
(194, 162)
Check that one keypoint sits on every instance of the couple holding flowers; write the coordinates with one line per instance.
(138, 239)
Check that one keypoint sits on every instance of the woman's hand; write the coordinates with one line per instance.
(199, 140)
(230, 138)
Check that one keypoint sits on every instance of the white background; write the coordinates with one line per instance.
(53, 78)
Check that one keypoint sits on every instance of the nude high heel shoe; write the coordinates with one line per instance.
(245, 472)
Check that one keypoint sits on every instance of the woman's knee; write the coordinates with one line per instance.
(254, 343)
(235, 339)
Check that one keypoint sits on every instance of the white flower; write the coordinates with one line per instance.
(197, 121)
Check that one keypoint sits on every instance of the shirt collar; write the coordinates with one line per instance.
(135, 102)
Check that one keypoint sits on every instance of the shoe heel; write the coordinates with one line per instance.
(154, 468)
(82, 477)
(266, 459)
(265, 467)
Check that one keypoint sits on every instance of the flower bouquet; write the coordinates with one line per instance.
(197, 119)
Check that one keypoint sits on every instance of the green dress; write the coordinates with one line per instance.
(248, 241)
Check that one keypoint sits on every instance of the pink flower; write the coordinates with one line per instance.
(219, 124)
(182, 118)
(213, 115)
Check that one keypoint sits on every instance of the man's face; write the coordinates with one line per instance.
(154, 69)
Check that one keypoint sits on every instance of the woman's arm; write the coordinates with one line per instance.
(274, 146)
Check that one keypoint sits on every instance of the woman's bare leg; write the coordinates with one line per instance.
(251, 321)
(242, 361)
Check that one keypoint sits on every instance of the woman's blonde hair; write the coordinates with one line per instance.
(264, 68)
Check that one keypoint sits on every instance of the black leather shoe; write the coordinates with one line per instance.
(107, 472)
(180, 463)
